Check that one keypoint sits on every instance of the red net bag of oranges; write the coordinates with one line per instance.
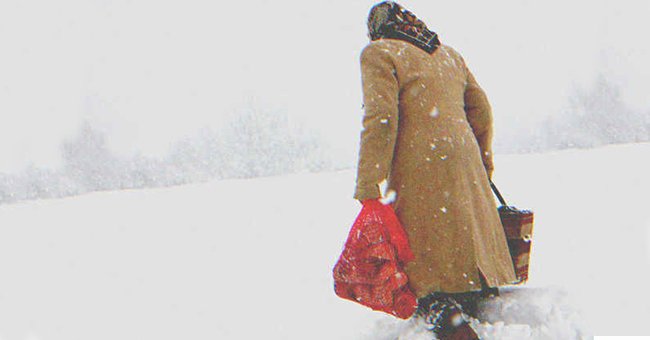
(370, 268)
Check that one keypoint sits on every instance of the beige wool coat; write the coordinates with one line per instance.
(427, 131)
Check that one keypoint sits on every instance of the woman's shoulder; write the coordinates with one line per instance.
(453, 54)
(450, 51)
(381, 50)
(382, 46)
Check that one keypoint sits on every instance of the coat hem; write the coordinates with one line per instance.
(484, 285)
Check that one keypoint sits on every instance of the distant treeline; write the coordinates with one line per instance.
(254, 143)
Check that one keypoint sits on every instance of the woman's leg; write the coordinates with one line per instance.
(469, 302)
(445, 315)
(424, 303)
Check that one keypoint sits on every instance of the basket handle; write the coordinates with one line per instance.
(496, 192)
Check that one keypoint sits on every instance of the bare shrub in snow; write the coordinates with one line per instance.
(264, 143)
(88, 161)
(598, 116)
(594, 117)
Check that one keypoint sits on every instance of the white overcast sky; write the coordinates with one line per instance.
(151, 72)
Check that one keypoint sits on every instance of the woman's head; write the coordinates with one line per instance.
(388, 19)
(389, 15)
(379, 18)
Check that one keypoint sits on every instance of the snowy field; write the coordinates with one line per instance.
(252, 259)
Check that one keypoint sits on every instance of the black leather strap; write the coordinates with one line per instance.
(496, 192)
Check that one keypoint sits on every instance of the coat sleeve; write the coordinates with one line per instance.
(479, 116)
(380, 119)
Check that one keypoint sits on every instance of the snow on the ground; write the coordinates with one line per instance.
(517, 314)
(252, 259)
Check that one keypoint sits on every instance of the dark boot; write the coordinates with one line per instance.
(469, 302)
(461, 332)
(447, 320)
(424, 304)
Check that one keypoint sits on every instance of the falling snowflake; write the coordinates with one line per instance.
(443, 157)
(435, 112)
(444, 210)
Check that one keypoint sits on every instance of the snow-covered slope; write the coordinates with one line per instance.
(252, 259)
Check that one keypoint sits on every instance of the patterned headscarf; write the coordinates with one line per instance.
(390, 20)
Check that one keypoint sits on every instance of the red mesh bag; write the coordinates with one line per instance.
(369, 270)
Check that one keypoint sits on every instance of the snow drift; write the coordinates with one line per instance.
(252, 258)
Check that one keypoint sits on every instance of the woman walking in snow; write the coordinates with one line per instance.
(427, 131)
